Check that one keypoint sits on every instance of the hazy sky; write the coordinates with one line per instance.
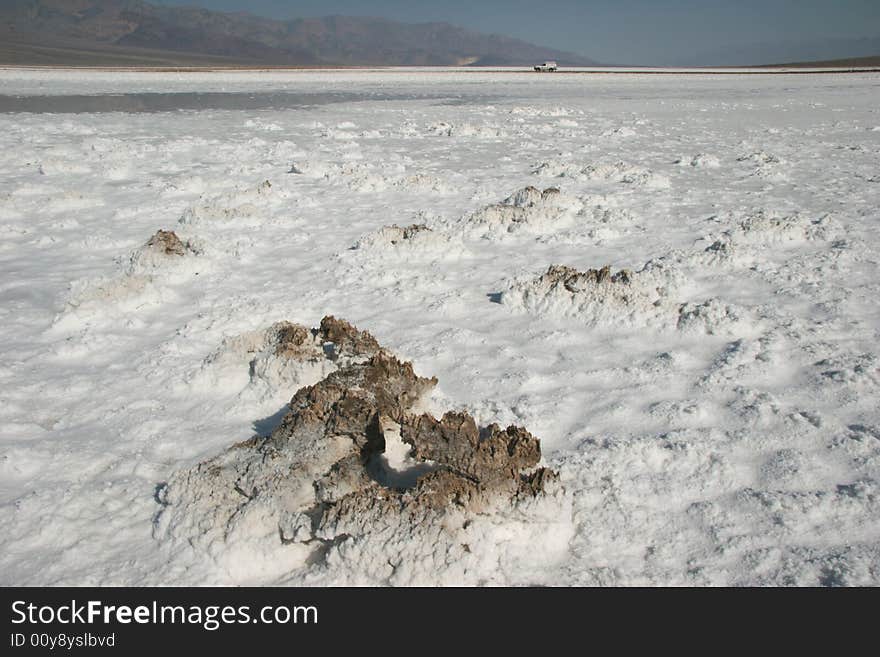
(622, 31)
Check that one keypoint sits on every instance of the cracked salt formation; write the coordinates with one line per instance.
(354, 468)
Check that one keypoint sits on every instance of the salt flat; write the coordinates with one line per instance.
(715, 422)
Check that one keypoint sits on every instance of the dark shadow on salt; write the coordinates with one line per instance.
(268, 424)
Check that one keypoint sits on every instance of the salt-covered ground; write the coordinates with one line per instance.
(714, 421)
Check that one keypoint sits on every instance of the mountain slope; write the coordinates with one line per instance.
(130, 29)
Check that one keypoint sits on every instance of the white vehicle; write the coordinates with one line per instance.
(548, 67)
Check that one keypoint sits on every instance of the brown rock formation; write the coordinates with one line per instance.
(167, 242)
(352, 457)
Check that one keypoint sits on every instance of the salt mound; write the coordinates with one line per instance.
(239, 204)
(395, 253)
(700, 160)
(555, 169)
(743, 243)
(605, 219)
(760, 158)
(721, 251)
(268, 126)
(529, 197)
(620, 172)
(51, 166)
(162, 249)
(711, 316)
(415, 237)
(368, 177)
(551, 112)
(424, 182)
(768, 228)
(163, 256)
(261, 364)
(358, 485)
(598, 296)
(313, 168)
(625, 173)
(441, 129)
(744, 359)
(393, 235)
(484, 131)
(767, 165)
(851, 370)
(625, 298)
(371, 181)
(529, 207)
(619, 133)
(89, 295)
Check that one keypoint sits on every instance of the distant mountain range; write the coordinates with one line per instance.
(783, 51)
(131, 32)
(849, 62)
